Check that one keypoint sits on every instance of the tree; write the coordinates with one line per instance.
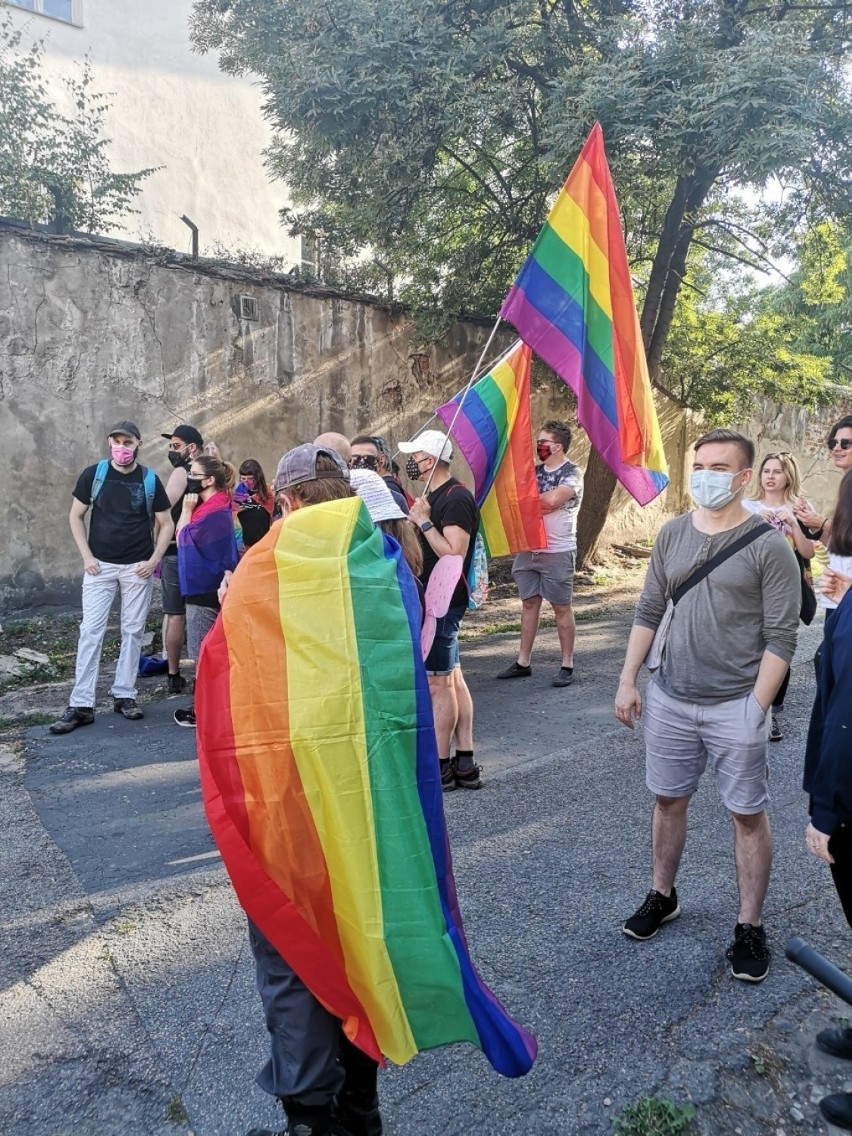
(436, 132)
(54, 166)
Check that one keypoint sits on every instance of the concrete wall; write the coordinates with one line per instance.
(174, 109)
(92, 332)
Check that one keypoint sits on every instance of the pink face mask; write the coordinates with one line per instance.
(122, 455)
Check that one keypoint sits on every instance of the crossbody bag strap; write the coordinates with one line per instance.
(720, 558)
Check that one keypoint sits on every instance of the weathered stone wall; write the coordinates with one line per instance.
(92, 332)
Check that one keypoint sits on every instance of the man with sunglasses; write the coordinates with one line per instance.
(840, 448)
(369, 452)
(185, 444)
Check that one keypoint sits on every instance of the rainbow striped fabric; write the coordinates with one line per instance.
(573, 304)
(321, 784)
(494, 432)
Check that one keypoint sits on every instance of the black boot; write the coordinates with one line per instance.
(357, 1105)
(305, 1120)
(837, 1110)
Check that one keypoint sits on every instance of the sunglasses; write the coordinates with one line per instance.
(779, 454)
(364, 461)
(844, 443)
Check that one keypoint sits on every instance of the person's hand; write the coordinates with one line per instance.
(91, 566)
(807, 516)
(817, 843)
(833, 584)
(146, 568)
(223, 587)
(420, 511)
(759, 701)
(628, 703)
(189, 502)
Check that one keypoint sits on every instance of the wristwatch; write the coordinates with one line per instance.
(424, 528)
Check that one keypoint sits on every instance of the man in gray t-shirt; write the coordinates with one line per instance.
(729, 643)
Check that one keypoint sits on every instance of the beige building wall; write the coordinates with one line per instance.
(174, 109)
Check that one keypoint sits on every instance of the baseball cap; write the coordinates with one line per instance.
(186, 434)
(431, 442)
(372, 490)
(126, 428)
(300, 465)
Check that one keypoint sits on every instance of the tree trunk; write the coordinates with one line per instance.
(598, 487)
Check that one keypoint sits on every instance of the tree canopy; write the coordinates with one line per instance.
(54, 166)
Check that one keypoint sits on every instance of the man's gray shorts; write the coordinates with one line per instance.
(170, 587)
(546, 574)
(681, 737)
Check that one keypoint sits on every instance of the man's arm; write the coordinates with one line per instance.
(454, 541)
(770, 675)
(554, 499)
(176, 485)
(628, 700)
(781, 590)
(78, 531)
(164, 527)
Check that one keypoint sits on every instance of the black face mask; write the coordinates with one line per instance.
(412, 469)
(176, 458)
(193, 485)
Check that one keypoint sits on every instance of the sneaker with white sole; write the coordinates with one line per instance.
(654, 912)
(749, 954)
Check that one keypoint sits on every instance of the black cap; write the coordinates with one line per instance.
(186, 434)
(126, 428)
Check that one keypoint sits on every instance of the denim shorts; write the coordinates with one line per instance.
(443, 657)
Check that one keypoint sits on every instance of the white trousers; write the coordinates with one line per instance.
(98, 594)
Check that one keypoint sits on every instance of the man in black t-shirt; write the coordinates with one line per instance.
(448, 519)
(185, 444)
(119, 555)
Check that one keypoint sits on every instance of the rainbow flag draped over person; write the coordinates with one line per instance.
(572, 302)
(494, 432)
(321, 783)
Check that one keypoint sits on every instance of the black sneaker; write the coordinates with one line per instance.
(515, 671)
(565, 677)
(467, 778)
(654, 912)
(128, 708)
(448, 781)
(837, 1110)
(73, 717)
(185, 718)
(177, 684)
(359, 1121)
(837, 1042)
(775, 734)
(749, 954)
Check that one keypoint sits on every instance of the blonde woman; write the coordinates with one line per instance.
(778, 496)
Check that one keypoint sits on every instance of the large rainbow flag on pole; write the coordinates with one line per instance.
(321, 783)
(573, 304)
(494, 432)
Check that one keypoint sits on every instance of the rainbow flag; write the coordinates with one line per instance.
(494, 432)
(321, 784)
(573, 304)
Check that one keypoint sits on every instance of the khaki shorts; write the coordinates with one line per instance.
(682, 737)
(546, 574)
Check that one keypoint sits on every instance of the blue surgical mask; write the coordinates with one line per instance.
(712, 488)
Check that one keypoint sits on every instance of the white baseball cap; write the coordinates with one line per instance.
(431, 442)
(376, 496)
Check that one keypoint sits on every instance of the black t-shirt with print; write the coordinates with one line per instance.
(451, 504)
(120, 530)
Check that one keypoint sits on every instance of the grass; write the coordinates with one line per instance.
(653, 1116)
(176, 1113)
(36, 718)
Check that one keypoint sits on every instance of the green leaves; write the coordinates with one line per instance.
(54, 166)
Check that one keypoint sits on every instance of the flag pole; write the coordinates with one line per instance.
(474, 376)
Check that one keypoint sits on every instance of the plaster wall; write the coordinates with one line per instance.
(174, 109)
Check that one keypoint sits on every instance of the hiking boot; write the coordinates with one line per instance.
(837, 1042)
(448, 781)
(775, 734)
(654, 912)
(177, 684)
(837, 1110)
(515, 671)
(73, 717)
(185, 718)
(749, 954)
(128, 708)
(565, 677)
(467, 778)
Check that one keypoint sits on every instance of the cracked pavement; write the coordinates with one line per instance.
(127, 1001)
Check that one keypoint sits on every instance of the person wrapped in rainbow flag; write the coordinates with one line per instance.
(321, 783)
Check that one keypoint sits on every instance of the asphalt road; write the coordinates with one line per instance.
(127, 1001)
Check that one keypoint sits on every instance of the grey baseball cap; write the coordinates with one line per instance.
(300, 465)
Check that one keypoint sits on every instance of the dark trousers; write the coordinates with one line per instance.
(312, 1063)
(840, 847)
(778, 700)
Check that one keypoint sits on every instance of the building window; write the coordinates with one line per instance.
(66, 10)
